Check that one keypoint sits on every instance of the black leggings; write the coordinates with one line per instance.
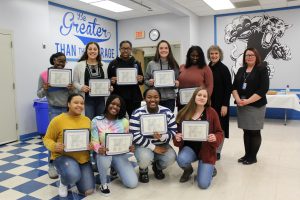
(252, 142)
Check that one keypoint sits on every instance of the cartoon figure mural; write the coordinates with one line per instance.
(260, 32)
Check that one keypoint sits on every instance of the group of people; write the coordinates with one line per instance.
(209, 102)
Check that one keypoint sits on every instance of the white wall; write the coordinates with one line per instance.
(173, 28)
(28, 20)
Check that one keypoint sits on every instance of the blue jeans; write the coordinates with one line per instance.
(186, 157)
(73, 173)
(145, 157)
(121, 164)
(94, 106)
(53, 111)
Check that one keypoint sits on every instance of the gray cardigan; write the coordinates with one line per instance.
(168, 92)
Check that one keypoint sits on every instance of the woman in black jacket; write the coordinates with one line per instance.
(250, 86)
(220, 98)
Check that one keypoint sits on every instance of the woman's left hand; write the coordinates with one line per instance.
(157, 135)
(70, 86)
(211, 138)
(224, 110)
(90, 147)
(139, 78)
(132, 148)
(177, 83)
(111, 88)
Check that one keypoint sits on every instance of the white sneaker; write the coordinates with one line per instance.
(52, 172)
(62, 190)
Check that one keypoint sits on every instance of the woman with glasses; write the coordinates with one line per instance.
(131, 93)
(89, 67)
(56, 96)
(250, 86)
(163, 60)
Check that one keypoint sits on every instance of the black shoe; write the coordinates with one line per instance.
(113, 173)
(186, 174)
(242, 159)
(158, 173)
(144, 177)
(249, 161)
(214, 172)
(218, 156)
(104, 190)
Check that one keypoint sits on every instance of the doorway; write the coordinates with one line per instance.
(8, 121)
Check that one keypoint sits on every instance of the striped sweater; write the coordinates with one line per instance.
(148, 141)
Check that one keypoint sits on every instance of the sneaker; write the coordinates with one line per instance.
(104, 190)
(214, 172)
(62, 190)
(242, 159)
(144, 177)
(186, 174)
(113, 173)
(52, 172)
(158, 173)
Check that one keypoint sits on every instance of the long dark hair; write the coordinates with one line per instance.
(258, 58)
(54, 56)
(71, 96)
(122, 112)
(187, 112)
(201, 63)
(171, 60)
(85, 56)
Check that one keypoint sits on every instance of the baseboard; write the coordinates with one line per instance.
(28, 136)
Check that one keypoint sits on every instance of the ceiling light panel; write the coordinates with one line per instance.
(219, 4)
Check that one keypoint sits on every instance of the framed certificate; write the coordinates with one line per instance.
(99, 87)
(117, 143)
(59, 77)
(153, 123)
(76, 139)
(164, 78)
(195, 130)
(185, 95)
(126, 76)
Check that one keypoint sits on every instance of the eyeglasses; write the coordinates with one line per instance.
(125, 49)
(250, 55)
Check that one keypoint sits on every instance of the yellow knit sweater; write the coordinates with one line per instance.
(55, 135)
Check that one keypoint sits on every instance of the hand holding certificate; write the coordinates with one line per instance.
(185, 95)
(76, 139)
(153, 123)
(117, 143)
(195, 130)
(59, 77)
(164, 78)
(126, 76)
(99, 87)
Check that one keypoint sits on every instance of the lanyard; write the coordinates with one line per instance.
(161, 65)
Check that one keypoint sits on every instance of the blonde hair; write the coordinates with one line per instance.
(187, 112)
(215, 48)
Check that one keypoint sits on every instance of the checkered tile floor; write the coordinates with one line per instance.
(23, 172)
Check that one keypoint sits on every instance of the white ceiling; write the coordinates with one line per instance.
(178, 7)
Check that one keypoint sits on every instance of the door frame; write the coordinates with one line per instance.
(9, 32)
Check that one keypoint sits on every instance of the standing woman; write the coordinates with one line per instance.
(130, 93)
(73, 168)
(204, 152)
(153, 149)
(195, 72)
(220, 98)
(113, 121)
(89, 67)
(56, 97)
(163, 60)
(250, 86)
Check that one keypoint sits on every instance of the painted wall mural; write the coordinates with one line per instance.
(272, 33)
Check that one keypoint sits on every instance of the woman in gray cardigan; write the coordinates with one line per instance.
(163, 60)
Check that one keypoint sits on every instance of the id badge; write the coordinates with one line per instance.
(244, 86)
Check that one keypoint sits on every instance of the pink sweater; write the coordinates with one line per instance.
(196, 77)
